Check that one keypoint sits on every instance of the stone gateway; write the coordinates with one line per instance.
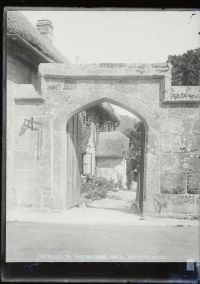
(40, 106)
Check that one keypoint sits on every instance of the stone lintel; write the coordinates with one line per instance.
(105, 70)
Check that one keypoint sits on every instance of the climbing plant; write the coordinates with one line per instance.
(85, 133)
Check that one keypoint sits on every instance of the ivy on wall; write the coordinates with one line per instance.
(85, 132)
(172, 190)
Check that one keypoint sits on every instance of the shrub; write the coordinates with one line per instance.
(194, 190)
(96, 187)
(85, 135)
(173, 190)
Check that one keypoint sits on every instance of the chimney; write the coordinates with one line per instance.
(45, 27)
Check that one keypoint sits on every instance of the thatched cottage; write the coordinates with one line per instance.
(106, 149)
(111, 153)
(98, 119)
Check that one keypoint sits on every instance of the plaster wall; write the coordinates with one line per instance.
(20, 72)
(112, 168)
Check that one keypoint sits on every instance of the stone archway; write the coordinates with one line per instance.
(59, 126)
(70, 89)
(170, 115)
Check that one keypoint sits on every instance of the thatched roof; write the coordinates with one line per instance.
(112, 144)
(109, 109)
(17, 24)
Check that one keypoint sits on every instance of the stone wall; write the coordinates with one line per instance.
(32, 156)
(180, 160)
(172, 132)
(69, 90)
(28, 155)
(180, 149)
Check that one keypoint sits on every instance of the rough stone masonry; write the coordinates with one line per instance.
(37, 154)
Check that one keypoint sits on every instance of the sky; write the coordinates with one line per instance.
(121, 36)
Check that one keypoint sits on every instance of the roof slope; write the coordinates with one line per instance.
(109, 109)
(112, 144)
(18, 24)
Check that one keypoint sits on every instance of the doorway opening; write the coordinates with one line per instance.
(105, 159)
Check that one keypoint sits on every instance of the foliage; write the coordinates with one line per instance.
(172, 190)
(85, 133)
(127, 122)
(132, 128)
(135, 137)
(96, 187)
(194, 190)
(186, 68)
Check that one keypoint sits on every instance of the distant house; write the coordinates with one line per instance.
(105, 152)
(111, 156)
(101, 118)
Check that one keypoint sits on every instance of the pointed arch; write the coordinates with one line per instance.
(90, 99)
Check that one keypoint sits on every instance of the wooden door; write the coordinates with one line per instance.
(141, 173)
(73, 162)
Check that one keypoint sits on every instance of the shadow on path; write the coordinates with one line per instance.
(121, 201)
(131, 210)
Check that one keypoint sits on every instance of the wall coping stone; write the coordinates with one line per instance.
(104, 69)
